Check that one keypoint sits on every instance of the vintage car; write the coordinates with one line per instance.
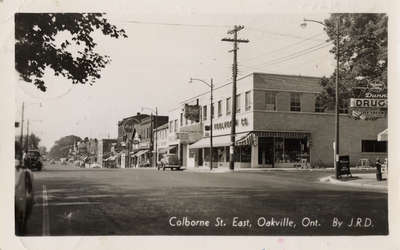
(169, 161)
(32, 160)
(23, 196)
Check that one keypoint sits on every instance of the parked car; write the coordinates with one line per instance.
(23, 196)
(169, 161)
(32, 160)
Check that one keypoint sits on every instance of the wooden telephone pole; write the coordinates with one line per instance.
(235, 41)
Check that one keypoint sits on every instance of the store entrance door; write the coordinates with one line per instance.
(200, 157)
(266, 152)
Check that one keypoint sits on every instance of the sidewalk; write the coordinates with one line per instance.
(358, 180)
(227, 170)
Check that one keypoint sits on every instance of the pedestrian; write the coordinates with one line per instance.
(378, 165)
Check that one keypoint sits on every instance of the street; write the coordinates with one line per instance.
(79, 201)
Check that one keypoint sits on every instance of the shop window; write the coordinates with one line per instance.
(220, 154)
(279, 150)
(207, 155)
(247, 100)
(295, 104)
(292, 150)
(204, 112)
(238, 103)
(245, 153)
(371, 146)
(228, 106)
(219, 108)
(227, 154)
(270, 101)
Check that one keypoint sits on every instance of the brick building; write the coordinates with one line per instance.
(278, 124)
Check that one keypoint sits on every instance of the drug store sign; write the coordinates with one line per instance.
(371, 107)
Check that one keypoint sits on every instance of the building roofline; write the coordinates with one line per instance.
(241, 78)
(204, 93)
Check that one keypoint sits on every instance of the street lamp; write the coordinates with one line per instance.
(211, 85)
(303, 25)
(152, 128)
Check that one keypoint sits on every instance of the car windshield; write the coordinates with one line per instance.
(33, 154)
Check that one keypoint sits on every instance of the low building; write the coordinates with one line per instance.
(143, 144)
(160, 138)
(279, 123)
(105, 152)
(126, 132)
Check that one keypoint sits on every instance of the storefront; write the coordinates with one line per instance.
(279, 124)
(256, 148)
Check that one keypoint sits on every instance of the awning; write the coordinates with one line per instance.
(284, 134)
(249, 139)
(111, 158)
(383, 136)
(172, 147)
(141, 152)
(162, 150)
(218, 141)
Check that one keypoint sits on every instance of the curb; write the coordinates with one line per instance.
(249, 170)
(331, 180)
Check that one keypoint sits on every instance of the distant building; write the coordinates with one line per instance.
(143, 144)
(104, 151)
(160, 138)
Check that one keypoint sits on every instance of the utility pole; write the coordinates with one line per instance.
(27, 136)
(22, 132)
(337, 152)
(155, 148)
(212, 110)
(235, 41)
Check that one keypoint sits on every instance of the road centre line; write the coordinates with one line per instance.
(45, 217)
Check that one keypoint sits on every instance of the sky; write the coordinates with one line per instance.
(152, 67)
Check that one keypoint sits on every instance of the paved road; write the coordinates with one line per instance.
(75, 201)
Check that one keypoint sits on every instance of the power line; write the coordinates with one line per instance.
(282, 48)
(300, 64)
(216, 26)
(178, 24)
(295, 54)
(282, 34)
(287, 59)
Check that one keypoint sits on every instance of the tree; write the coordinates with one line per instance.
(32, 141)
(63, 146)
(37, 47)
(363, 60)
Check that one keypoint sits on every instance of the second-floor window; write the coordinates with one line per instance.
(318, 105)
(219, 108)
(238, 103)
(181, 121)
(295, 104)
(170, 126)
(204, 113)
(247, 100)
(270, 101)
(228, 106)
(212, 110)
